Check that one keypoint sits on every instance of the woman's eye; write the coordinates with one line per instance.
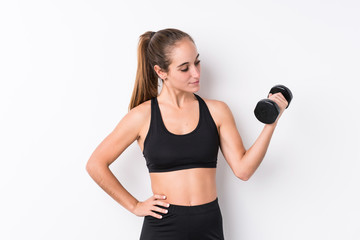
(184, 70)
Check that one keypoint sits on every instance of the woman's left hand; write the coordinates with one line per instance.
(280, 100)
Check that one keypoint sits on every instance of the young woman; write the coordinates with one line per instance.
(179, 134)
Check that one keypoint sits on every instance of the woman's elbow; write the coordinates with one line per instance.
(91, 166)
(243, 175)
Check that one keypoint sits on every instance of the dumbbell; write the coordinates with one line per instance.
(266, 110)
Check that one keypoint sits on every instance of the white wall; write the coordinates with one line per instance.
(67, 70)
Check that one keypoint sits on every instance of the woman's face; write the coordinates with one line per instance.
(184, 70)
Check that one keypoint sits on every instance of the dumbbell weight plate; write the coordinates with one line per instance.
(266, 111)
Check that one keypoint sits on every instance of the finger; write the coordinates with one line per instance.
(281, 96)
(280, 101)
(277, 100)
(161, 203)
(158, 196)
(155, 215)
(160, 210)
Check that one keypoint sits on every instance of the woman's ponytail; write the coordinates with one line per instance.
(146, 82)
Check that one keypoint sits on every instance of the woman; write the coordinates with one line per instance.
(179, 134)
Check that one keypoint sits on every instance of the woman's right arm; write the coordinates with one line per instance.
(124, 134)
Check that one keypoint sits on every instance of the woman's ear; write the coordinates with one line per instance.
(160, 72)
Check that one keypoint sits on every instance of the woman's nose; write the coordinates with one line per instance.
(195, 72)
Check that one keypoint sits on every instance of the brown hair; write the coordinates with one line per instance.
(153, 50)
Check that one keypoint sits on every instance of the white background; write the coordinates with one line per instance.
(67, 70)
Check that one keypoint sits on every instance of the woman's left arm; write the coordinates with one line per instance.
(245, 162)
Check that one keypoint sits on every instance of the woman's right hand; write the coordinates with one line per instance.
(147, 207)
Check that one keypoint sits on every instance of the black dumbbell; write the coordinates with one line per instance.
(266, 110)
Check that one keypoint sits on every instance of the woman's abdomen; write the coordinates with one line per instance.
(187, 187)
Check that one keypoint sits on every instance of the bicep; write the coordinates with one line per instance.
(231, 144)
(123, 135)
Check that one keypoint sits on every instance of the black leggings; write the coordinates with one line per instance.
(200, 222)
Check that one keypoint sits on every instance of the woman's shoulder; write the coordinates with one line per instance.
(141, 110)
(218, 109)
(215, 104)
(135, 118)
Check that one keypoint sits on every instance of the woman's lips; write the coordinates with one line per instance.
(195, 82)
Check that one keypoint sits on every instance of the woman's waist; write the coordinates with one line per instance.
(186, 187)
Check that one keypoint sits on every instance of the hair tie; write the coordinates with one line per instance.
(152, 34)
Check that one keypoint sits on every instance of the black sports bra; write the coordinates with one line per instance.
(165, 151)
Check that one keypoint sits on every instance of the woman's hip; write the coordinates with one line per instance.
(202, 221)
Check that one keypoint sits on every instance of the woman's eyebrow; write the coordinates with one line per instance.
(187, 62)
